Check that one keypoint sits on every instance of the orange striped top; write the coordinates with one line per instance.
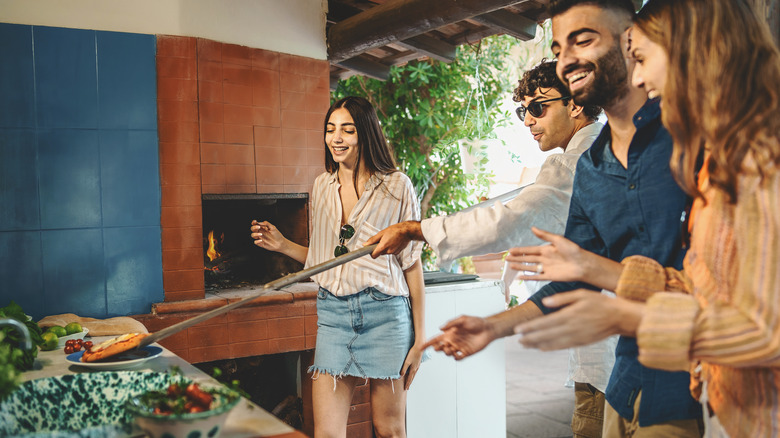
(728, 316)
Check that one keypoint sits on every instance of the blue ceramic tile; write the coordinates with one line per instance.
(69, 165)
(74, 277)
(130, 173)
(17, 108)
(133, 269)
(18, 180)
(127, 80)
(21, 271)
(65, 77)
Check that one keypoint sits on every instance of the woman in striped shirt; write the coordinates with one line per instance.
(370, 311)
(717, 70)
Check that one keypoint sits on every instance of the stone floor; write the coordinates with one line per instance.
(538, 405)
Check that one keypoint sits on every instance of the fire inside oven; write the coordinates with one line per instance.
(230, 258)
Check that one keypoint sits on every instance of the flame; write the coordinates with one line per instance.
(212, 252)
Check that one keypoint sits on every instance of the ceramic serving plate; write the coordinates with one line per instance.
(122, 361)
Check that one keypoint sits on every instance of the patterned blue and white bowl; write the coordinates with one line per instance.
(76, 405)
(206, 424)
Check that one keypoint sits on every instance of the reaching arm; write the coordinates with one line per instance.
(393, 239)
(267, 236)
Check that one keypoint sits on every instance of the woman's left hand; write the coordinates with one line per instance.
(411, 364)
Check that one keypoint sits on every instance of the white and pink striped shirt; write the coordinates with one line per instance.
(386, 200)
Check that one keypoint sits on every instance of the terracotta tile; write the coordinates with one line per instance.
(265, 79)
(294, 157)
(210, 91)
(177, 131)
(315, 140)
(293, 119)
(237, 94)
(311, 341)
(208, 354)
(238, 114)
(310, 325)
(175, 195)
(318, 102)
(240, 135)
(283, 345)
(184, 280)
(294, 175)
(170, 67)
(297, 188)
(266, 117)
(188, 309)
(293, 138)
(310, 308)
(211, 112)
(314, 121)
(217, 321)
(212, 132)
(235, 54)
(181, 216)
(248, 349)
(286, 309)
(266, 97)
(209, 50)
(237, 74)
(211, 153)
(177, 89)
(316, 158)
(361, 395)
(240, 175)
(170, 45)
(315, 171)
(292, 82)
(269, 156)
(179, 153)
(178, 259)
(158, 322)
(211, 336)
(181, 238)
(293, 100)
(213, 174)
(265, 59)
(177, 341)
(243, 155)
(318, 85)
(359, 413)
(270, 188)
(293, 63)
(179, 174)
(267, 136)
(215, 189)
(183, 353)
(248, 331)
(269, 175)
(174, 295)
(240, 188)
(177, 110)
(285, 327)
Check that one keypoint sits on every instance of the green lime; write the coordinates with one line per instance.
(50, 341)
(73, 327)
(58, 330)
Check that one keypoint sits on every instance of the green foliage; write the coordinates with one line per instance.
(14, 359)
(430, 110)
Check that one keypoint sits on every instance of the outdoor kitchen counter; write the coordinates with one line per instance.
(245, 420)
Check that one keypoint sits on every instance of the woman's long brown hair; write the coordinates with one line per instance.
(722, 86)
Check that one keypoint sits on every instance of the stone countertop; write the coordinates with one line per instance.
(245, 420)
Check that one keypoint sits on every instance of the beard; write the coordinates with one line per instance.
(610, 80)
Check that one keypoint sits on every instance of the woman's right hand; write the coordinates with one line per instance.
(267, 236)
(561, 260)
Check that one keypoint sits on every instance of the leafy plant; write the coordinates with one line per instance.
(13, 358)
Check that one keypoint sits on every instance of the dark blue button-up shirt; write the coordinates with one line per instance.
(619, 212)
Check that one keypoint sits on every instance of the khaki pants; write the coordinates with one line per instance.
(616, 426)
(588, 418)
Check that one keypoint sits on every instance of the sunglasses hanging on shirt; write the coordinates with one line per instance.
(345, 234)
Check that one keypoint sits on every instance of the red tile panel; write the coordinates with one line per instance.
(283, 345)
(211, 112)
(212, 132)
(293, 138)
(237, 74)
(177, 110)
(295, 175)
(293, 119)
(180, 259)
(248, 349)
(285, 327)
(177, 131)
(238, 114)
(293, 82)
(210, 91)
(175, 295)
(240, 134)
(266, 117)
(179, 174)
(179, 153)
(240, 154)
(184, 280)
(177, 89)
(211, 153)
(207, 354)
(209, 50)
(248, 331)
(239, 175)
(213, 175)
(174, 195)
(315, 139)
(177, 238)
(209, 336)
(270, 188)
(181, 216)
(237, 94)
(315, 121)
(267, 136)
(269, 156)
(294, 157)
(168, 45)
(265, 59)
(235, 54)
(269, 175)
(293, 100)
(169, 67)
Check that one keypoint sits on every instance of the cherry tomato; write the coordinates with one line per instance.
(68, 349)
(87, 345)
(69, 342)
(76, 347)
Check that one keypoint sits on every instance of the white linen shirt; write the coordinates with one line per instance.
(545, 205)
(386, 200)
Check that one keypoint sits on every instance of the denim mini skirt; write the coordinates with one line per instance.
(367, 334)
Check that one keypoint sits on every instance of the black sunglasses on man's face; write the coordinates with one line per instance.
(536, 108)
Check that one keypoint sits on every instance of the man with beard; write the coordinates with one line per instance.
(624, 202)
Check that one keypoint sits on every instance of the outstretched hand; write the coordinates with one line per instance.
(266, 235)
(462, 337)
(391, 240)
(561, 260)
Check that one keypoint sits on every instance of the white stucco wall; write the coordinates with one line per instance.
(296, 27)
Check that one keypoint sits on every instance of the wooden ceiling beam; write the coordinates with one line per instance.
(397, 20)
(430, 47)
(367, 67)
(515, 25)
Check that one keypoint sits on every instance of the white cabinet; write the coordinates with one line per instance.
(467, 398)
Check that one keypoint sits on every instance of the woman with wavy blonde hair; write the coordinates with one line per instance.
(716, 69)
